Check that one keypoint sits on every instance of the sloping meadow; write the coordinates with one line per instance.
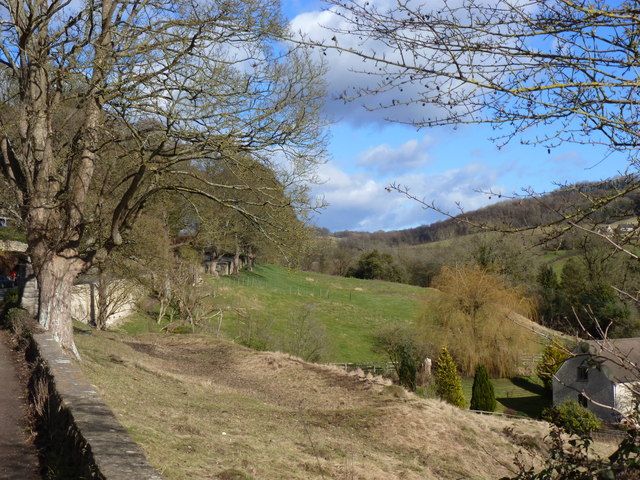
(204, 408)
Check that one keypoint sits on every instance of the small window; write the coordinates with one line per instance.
(583, 400)
(583, 373)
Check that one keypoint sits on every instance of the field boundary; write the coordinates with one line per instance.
(375, 368)
(78, 434)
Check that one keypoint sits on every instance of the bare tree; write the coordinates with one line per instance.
(544, 72)
(113, 296)
(509, 63)
(107, 103)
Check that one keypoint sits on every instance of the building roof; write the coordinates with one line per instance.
(619, 358)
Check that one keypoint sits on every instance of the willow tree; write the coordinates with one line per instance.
(151, 93)
(479, 317)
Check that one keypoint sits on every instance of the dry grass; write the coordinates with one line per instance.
(207, 409)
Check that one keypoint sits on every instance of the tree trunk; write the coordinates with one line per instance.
(213, 267)
(103, 301)
(236, 259)
(56, 276)
(250, 258)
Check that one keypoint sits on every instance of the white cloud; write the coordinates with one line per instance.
(385, 159)
(360, 202)
(348, 73)
(414, 79)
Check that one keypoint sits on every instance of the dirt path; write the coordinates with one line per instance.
(18, 459)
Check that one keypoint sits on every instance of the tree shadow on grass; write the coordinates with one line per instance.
(531, 406)
(529, 385)
(253, 274)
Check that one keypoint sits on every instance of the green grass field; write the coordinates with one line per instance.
(351, 310)
(269, 299)
(517, 395)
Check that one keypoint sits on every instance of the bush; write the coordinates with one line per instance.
(447, 380)
(10, 301)
(572, 418)
(376, 266)
(305, 336)
(552, 359)
(483, 396)
(575, 459)
(406, 349)
(255, 332)
(21, 324)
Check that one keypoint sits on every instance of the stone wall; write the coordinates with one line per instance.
(599, 388)
(122, 302)
(83, 301)
(13, 246)
(77, 433)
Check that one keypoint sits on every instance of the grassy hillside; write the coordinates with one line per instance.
(204, 408)
(351, 310)
(271, 298)
(268, 304)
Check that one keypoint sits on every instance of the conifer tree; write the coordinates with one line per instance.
(482, 395)
(448, 383)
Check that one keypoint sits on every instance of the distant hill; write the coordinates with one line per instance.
(528, 211)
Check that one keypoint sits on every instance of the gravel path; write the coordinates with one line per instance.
(18, 458)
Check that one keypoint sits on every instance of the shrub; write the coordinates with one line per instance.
(305, 336)
(572, 418)
(483, 396)
(552, 359)
(22, 325)
(374, 265)
(447, 380)
(406, 349)
(571, 458)
(255, 332)
(11, 300)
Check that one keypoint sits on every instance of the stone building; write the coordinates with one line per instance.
(603, 376)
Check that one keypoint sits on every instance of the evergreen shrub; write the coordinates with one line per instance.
(552, 359)
(447, 380)
(483, 396)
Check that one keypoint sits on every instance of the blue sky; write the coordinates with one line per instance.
(443, 165)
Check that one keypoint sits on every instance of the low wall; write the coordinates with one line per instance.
(122, 302)
(78, 434)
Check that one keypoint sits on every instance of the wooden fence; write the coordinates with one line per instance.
(528, 359)
(375, 368)
(381, 368)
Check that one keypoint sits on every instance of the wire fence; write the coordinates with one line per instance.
(293, 290)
